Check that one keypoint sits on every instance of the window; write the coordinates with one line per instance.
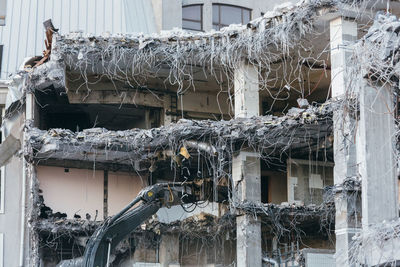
(192, 17)
(224, 15)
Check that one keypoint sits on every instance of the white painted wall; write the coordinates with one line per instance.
(10, 220)
(2, 174)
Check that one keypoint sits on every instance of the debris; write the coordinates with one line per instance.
(266, 133)
(302, 102)
(183, 151)
(48, 25)
(8, 148)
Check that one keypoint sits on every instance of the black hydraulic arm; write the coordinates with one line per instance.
(115, 229)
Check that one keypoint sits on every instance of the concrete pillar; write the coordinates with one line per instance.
(147, 122)
(377, 166)
(29, 251)
(247, 103)
(169, 250)
(376, 154)
(246, 174)
(246, 170)
(343, 33)
(207, 15)
(167, 119)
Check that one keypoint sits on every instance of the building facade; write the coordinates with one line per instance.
(281, 117)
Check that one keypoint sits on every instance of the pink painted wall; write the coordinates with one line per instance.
(122, 189)
(81, 191)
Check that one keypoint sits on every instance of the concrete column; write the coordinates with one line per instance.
(377, 166)
(247, 103)
(29, 250)
(207, 15)
(246, 174)
(147, 121)
(376, 155)
(246, 170)
(343, 33)
(169, 250)
(166, 119)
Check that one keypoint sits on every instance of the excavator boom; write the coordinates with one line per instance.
(118, 227)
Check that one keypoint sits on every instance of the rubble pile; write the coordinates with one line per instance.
(203, 224)
(67, 226)
(380, 239)
(286, 216)
(378, 53)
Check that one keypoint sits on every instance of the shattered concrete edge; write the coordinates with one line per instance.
(266, 134)
(134, 58)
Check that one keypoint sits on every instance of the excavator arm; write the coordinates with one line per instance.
(118, 227)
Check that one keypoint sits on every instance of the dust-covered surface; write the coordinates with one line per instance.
(270, 135)
(263, 42)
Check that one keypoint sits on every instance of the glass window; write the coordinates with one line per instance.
(246, 16)
(224, 15)
(192, 17)
(215, 14)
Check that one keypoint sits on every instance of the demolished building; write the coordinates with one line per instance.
(293, 115)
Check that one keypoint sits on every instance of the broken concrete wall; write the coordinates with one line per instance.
(307, 180)
(78, 191)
